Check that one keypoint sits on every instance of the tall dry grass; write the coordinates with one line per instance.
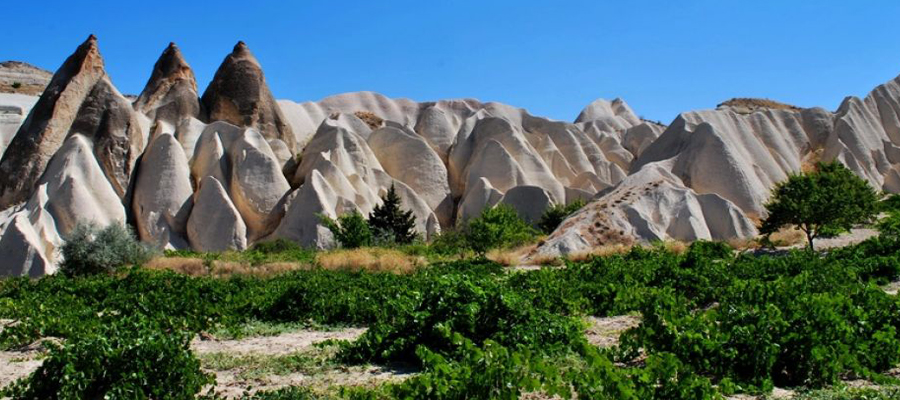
(221, 269)
(370, 259)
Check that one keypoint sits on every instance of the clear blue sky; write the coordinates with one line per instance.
(551, 57)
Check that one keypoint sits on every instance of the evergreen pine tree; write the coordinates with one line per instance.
(388, 219)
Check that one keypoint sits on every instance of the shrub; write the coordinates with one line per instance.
(390, 223)
(91, 250)
(555, 215)
(498, 226)
(350, 230)
(891, 203)
(889, 227)
(129, 358)
(822, 203)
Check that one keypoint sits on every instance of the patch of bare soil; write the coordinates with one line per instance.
(853, 237)
(19, 363)
(273, 345)
(291, 359)
(604, 332)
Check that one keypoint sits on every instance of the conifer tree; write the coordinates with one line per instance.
(388, 219)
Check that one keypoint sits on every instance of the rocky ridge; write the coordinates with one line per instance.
(234, 166)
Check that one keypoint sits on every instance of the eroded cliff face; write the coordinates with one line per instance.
(236, 167)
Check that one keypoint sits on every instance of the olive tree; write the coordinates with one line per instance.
(822, 203)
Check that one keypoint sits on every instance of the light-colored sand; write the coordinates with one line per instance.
(273, 345)
(604, 332)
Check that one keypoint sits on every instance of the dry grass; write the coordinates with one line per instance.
(372, 120)
(599, 251)
(675, 246)
(742, 244)
(225, 269)
(546, 260)
(182, 265)
(370, 259)
(221, 269)
(787, 237)
(511, 257)
(751, 104)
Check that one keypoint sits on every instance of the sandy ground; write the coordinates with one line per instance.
(18, 363)
(231, 383)
(604, 332)
(234, 382)
(853, 237)
(274, 345)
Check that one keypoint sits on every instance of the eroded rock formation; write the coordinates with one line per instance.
(235, 167)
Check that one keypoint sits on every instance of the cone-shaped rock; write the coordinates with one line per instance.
(238, 94)
(79, 100)
(171, 93)
(47, 124)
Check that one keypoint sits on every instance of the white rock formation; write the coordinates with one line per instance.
(215, 224)
(162, 194)
(236, 167)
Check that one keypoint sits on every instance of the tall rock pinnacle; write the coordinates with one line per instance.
(238, 94)
(171, 92)
(79, 99)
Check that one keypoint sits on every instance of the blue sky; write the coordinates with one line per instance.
(550, 57)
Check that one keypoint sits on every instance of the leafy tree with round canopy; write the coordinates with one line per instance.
(822, 203)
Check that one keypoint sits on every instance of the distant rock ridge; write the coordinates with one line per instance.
(234, 167)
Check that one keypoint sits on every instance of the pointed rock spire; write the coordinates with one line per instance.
(47, 125)
(238, 94)
(171, 92)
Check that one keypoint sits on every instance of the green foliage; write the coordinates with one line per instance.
(129, 358)
(350, 230)
(712, 323)
(889, 227)
(91, 250)
(392, 223)
(477, 307)
(891, 203)
(822, 203)
(16, 85)
(498, 226)
(554, 216)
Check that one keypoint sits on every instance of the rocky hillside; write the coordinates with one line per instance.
(233, 166)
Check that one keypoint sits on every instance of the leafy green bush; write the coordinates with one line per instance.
(91, 250)
(891, 203)
(478, 307)
(889, 227)
(554, 216)
(822, 203)
(498, 226)
(350, 230)
(131, 358)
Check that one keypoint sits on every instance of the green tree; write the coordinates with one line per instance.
(822, 203)
(556, 214)
(498, 226)
(350, 230)
(390, 221)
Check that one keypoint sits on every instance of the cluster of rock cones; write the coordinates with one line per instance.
(234, 166)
